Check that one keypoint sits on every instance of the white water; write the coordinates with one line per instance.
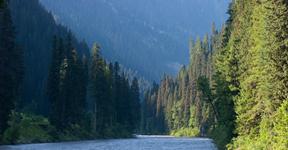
(139, 143)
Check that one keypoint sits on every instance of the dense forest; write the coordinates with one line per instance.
(84, 96)
(235, 88)
(35, 28)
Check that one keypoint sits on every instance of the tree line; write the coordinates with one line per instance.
(195, 103)
(87, 97)
(112, 103)
(11, 66)
(235, 88)
(35, 28)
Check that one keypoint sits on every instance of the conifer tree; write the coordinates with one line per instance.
(277, 26)
(53, 83)
(67, 83)
(135, 104)
(97, 87)
(11, 66)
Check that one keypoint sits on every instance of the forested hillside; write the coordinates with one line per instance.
(235, 88)
(11, 67)
(52, 88)
(35, 28)
(148, 36)
(195, 103)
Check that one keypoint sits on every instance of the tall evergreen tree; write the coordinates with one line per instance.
(135, 104)
(277, 26)
(74, 85)
(35, 27)
(98, 89)
(67, 83)
(11, 66)
(53, 83)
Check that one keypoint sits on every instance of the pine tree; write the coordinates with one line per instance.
(253, 99)
(83, 72)
(74, 85)
(35, 28)
(135, 104)
(124, 105)
(11, 66)
(53, 82)
(97, 87)
(277, 26)
(115, 90)
(67, 83)
(76, 91)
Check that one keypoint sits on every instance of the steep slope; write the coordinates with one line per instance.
(35, 28)
(146, 36)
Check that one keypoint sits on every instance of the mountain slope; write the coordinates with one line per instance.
(35, 28)
(149, 36)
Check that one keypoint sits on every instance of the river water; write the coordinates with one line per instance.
(139, 143)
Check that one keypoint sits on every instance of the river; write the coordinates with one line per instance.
(139, 143)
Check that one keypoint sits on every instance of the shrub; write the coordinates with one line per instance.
(186, 132)
(27, 128)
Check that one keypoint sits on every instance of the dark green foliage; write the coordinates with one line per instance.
(115, 98)
(115, 108)
(223, 130)
(234, 87)
(198, 102)
(1, 3)
(115, 103)
(11, 67)
(66, 85)
(135, 104)
(149, 120)
(73, 85)
(27, 128)
(53, 88)
(100, 89)
(35, 28)
(204, 87)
